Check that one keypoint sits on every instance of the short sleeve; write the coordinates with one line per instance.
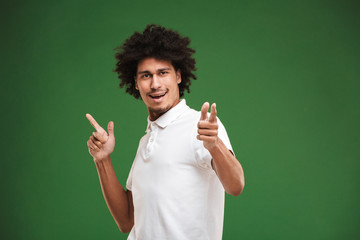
(224, 136)
(203, 156)
(129, 179)
(130, 176)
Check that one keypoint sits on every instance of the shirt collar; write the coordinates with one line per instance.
(164, 120)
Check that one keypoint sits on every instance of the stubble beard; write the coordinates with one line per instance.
(155, 113)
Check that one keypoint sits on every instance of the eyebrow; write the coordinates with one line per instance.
(158, 70)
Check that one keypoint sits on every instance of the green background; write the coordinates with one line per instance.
(285, 77)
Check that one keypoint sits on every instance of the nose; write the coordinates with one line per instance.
(155, 82)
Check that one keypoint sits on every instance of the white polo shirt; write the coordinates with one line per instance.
(176, 193)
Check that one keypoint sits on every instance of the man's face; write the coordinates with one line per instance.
(157, 82)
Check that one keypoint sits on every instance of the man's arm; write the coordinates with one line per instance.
(226, 166)
(119, 201)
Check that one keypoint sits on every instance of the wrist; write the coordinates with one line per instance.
(102, 159)
(218, 146)
(215, 146)
(104, 165)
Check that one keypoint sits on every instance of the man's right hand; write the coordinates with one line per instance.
(101, 144)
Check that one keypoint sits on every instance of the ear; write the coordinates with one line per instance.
(136, 86)
(178, 76)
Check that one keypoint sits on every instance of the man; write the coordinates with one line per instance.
(175, 189)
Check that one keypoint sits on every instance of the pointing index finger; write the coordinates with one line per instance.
(204, 110)
(94, 123)
(213, 113)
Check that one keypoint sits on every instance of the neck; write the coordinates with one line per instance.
(153, 116)
(156, 113)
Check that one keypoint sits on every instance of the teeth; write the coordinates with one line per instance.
(155, 96)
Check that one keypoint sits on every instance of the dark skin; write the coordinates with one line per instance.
(224, 163)
(101, 144)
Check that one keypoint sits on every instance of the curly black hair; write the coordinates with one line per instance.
(160, 43)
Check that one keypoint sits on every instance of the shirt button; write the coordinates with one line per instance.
(151, 140)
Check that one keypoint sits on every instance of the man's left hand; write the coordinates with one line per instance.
(208, 127)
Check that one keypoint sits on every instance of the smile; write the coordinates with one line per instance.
(158, 95)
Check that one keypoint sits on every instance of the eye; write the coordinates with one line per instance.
(145, 76)
(163, 73)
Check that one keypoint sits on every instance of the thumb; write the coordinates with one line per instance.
(111, 129)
